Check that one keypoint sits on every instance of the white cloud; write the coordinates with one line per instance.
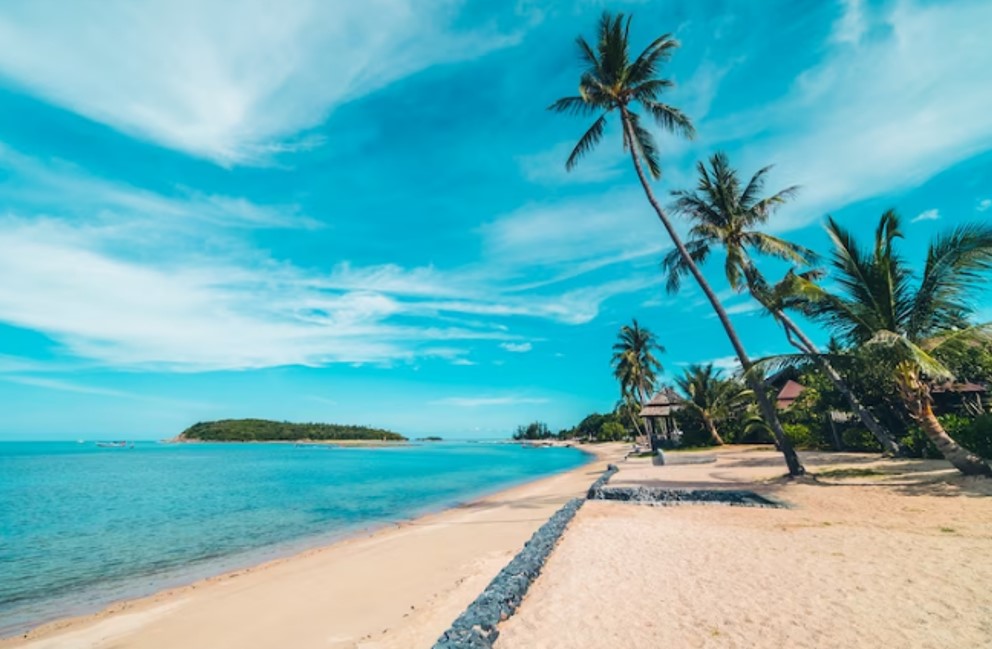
(518, 348)
(728, 364)
(852, 25)
(842, 130)
(984, 204)
(605, 162)
(584, 233)
(232, 83)
(480, 402)
(740, 309)
(927, 215)
(125, 277)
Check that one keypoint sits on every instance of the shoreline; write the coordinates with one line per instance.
(129, 618)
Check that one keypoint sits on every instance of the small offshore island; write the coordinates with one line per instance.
(264, 430)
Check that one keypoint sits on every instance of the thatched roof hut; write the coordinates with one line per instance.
(663, 404)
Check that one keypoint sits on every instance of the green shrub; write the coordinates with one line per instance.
(860, 439)
(975, 434)
(611, 431)
(800, 435)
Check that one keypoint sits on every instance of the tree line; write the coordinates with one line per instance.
(898, 336)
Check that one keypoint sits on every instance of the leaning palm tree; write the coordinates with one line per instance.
(635, 365)
(879, 303)
(711, 397)
(613, 83)
(728, 214)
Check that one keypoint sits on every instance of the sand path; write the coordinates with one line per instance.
(895, 561)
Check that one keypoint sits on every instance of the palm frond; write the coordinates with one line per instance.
(957, 263)
(587, 142)
(773, 246)
(674, 266)
(913, 353)
(573, 106)
(670, 118)
(645, 66)
(650, 90)
(644, 142)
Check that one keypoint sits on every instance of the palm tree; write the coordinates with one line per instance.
(712, 397)
(879, 303)
(612, 82)
(730, 215)
(635, 365)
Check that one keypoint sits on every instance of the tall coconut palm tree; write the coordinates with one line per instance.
(634, 362)
(711, 397)
(613, 83)
(729, 214)
(879, 302)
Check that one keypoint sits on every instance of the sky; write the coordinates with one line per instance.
(359, 212)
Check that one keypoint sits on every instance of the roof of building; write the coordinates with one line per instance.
(663, 404)
(960, 387)
(789, 393)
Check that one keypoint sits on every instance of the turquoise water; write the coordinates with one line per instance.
(81, 526)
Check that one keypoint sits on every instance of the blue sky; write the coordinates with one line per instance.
(358, 212)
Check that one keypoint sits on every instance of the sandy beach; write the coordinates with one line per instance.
(397, 587)
(874, 553)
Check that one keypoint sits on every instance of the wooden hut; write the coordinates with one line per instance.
(659, 415)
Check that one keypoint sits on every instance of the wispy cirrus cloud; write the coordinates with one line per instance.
(841, 130)
(229, 83)
(124, 277)
(927, 215)
(517, 348)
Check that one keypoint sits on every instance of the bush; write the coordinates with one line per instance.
(860, 439)
(800, 435)
(611, 431)
(975, 434)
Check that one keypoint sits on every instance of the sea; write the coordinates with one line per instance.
(83, 525)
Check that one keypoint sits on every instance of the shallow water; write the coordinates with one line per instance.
(82, 526)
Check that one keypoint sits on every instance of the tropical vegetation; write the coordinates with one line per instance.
(711, 398)
(905, 352)
(615, 83)
(636, 368)
(263, 430)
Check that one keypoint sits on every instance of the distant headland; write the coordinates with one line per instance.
(263, 430)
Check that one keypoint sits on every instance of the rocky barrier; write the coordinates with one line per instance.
(476, 628)
(601, 481)
(658, 496)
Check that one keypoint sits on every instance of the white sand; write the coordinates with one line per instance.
(398, 587)
(891, 561)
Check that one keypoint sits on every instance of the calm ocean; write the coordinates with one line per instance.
(82, 526)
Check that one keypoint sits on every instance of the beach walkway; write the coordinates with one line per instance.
(875, 553)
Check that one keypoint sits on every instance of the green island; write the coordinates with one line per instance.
(263, 430)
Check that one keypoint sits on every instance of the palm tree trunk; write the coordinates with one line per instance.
(807, 346)
(764, 404)
(711, 426)
(963, 460)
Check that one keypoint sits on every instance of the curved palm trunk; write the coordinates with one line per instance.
(963, 460)
(711, 426)
(807, 346)
(764, 404)
(915, 396)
